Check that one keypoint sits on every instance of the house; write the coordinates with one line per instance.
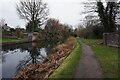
(6, 27)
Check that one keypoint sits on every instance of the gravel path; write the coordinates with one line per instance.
(88, 66)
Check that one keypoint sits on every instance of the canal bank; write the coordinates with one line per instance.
(68, 68)
(51, 62)
(18, 42)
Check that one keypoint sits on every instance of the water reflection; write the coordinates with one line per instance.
(16, 57)
(36, 54)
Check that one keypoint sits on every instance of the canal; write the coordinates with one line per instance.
(16, 57)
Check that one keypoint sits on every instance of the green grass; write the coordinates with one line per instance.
(10, 40)
(68, 67)
(107, 56)
(91, 42)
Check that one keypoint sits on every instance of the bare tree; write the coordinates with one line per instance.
(34, 11)
(107, 13)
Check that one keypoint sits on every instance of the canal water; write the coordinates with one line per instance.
(15, 57)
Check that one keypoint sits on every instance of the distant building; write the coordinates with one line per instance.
(6, 27)
(27, 36)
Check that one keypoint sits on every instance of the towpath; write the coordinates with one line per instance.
(88, 66)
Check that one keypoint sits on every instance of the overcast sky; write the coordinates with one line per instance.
(67, 11)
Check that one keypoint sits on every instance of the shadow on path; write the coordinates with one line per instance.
(88, 66)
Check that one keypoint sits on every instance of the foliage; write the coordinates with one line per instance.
(18, 32)
(100, 18)
(108, 15)
(12, 29)
(93, 31)
(55, 30)
(30, 24)
(98, 32)
(92, 27)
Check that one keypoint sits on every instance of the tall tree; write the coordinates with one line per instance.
(34, 11)
(52, 25)
(107, 13)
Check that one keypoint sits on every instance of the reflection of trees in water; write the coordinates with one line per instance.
(33, 57)
(2, 58)
(35, 54)
(25, 46)
(34, 50)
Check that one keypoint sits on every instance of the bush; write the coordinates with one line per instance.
(91, 32)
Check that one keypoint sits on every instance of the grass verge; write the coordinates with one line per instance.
(107, 56)
(68, 67)
(9, 40)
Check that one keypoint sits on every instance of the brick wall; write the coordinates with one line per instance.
(112, 39)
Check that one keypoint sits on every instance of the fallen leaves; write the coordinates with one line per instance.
(50, 63)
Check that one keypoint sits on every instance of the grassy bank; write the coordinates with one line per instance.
(9, 40)
(68, 67)
(107, 56)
